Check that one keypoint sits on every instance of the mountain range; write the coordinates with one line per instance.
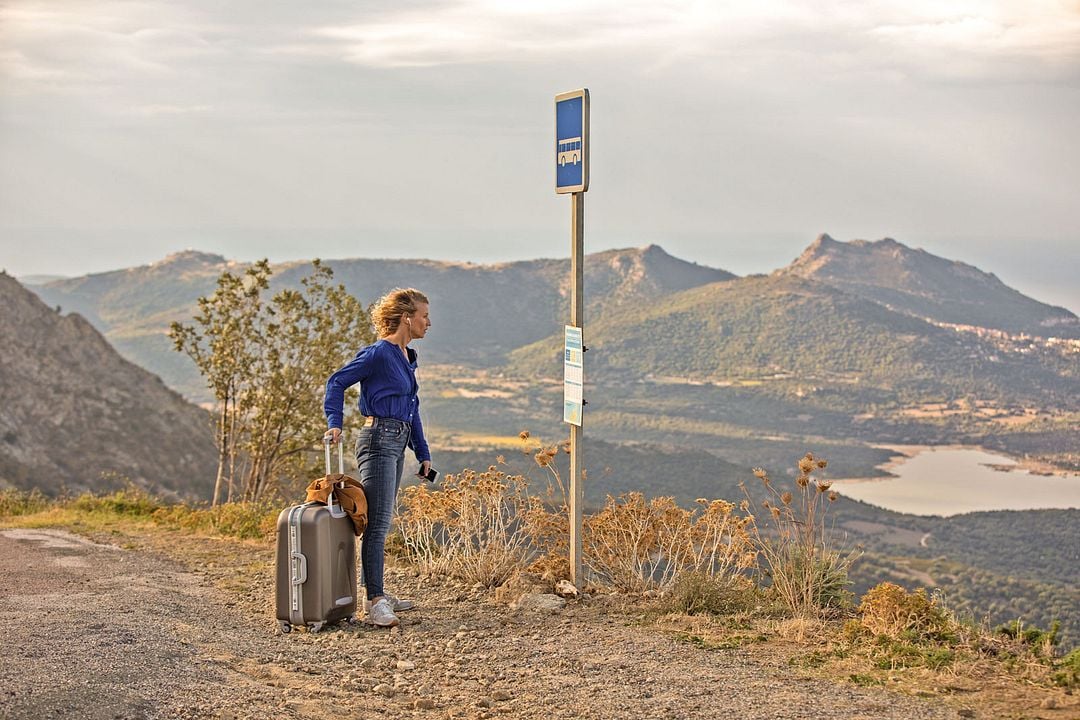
(694, 375)
(852, 310)
(852, 341)
(800, 334)
(480, 312)
(74, 415)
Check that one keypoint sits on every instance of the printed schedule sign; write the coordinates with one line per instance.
(572, 141)
(573, 376)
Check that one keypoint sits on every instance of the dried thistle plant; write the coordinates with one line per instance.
(484, 526)
(806, 573)
(634, 544)
(472, 527)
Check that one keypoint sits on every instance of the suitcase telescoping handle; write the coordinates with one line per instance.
(340, 464)
(340, 457)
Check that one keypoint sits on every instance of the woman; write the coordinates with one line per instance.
(386, 372)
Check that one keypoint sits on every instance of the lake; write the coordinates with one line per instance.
(950, 481)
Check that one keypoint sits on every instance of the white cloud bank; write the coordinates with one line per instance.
(106, 41)
(927, 33)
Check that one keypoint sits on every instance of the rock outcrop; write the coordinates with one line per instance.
(919, 283)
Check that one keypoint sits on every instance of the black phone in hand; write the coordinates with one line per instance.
(431, 474)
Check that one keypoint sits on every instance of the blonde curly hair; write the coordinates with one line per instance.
(388, 310)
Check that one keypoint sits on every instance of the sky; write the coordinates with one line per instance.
(730, 133)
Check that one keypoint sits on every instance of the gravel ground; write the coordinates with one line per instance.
(182, 627)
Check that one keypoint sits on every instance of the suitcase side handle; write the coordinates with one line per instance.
(300, 569)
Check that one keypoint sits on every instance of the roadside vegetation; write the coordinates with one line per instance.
(717, 576)
(135, 507)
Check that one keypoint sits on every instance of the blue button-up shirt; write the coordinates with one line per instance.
(388, 388)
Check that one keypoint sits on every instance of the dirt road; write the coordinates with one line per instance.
(95, 631)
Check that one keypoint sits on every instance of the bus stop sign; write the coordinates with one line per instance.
(572, 141)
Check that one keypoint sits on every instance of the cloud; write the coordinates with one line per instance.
(927, 36)
(82, 45)
(156, 110)
(478, 32)
(1044, 34)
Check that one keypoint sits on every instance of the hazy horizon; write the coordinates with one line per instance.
(731, 135)
(760, 257)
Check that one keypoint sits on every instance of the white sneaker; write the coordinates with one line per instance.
(382, 613)
(398, 604)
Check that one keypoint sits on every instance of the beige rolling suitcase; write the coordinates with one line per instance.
(316, 563)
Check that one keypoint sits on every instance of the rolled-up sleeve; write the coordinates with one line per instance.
(358, 369)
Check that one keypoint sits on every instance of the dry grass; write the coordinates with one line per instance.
(803, 630)
(484, 526)
(635, 545)
(474, 527)
(980, 671)
(135, 507)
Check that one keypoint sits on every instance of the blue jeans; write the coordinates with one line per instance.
(380, 456)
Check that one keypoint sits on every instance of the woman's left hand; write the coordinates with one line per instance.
(424, 467)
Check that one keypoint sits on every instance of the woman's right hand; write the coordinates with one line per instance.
(334, 434)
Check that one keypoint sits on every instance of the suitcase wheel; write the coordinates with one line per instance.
(286, 628)
(316, 627)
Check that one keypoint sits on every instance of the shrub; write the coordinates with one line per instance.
(697, 593)
(1041, 643)
(472, 528)
(482, 527)
(133, 502)
(889, 610)
(21, 502)
(900, 629)
(1066, 672)
(637, 545)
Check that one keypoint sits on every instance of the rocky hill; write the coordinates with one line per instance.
(75, 415)
(915, 282)
(480, 312)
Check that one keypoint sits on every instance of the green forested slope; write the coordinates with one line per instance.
(799, 337)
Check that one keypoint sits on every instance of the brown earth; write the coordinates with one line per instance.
(160, 624)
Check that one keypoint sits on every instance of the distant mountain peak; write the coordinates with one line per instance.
(883, 242)
(816, 254)
(190, 258)
(655, 267)
(920, 283)
(651, 250)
